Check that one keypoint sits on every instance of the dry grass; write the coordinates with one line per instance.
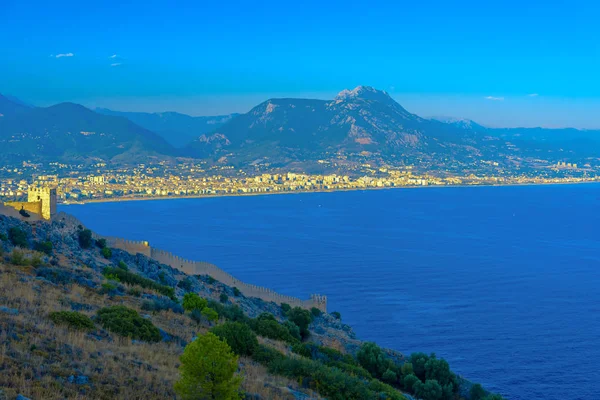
(37, 357)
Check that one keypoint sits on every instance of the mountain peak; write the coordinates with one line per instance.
(363, 93)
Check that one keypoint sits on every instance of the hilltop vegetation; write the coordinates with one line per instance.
(76, 324)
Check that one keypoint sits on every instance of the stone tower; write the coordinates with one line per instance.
(46, 196)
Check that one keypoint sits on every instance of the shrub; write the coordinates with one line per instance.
(230, 312)
(302, 349)
(430, 390)
(123, 266)
(162, 304)
(302, 318)
(191, 302)
(207, 370)
(3, 237)
(106, 253)
(108, 288)
(266, 355)
(17, 257)
(389, 376)
(265, 325)
(210, 280)
(336, 315)
(285, 307)
(43, 247)
(223, 298)
(410, 381)
(24, 213)
(293, 330)
(127, 322)
(18, 237)
(134, 279)
(236, 292)
(373, 359)
(36, 260)
(316, 312)
(238, 336)
(477, 392)
(185, 284)
(72, 319)
(55, 275)
(210, 314)
(85, 238)
(101, 243)
(135, 292)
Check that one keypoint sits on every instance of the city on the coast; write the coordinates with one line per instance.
(100, 182)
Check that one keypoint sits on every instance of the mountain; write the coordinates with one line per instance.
(366, 125)
(178, 129)
(363, 121)
(70, 131)
(10, 106)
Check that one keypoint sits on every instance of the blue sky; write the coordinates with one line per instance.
(502, 63)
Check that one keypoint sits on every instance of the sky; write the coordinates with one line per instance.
(500, 63)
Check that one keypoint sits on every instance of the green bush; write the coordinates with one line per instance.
(72, 319)
(302, 318)
(238, 336)
(106, 253)
(373, 359)
(223, 298)
(17, 257)
(123, 266)
(101, 243)
(43, 247)
(236, 292)
(302, 349)
(85, 238)
(316, 312)
(410, 381)
(191, 302)
(210, 280)
(210, 314)
(336, 315)
(266, 355)
(134, 279)
(430, 390)
(208, 370)
(267, 326)
(127, 322)
(185, 284)
(135, 292)
(18, 237)
(3, 237)
(229, 312)
(477, 392)
(285, 307)
(293, 330)
(108, 288)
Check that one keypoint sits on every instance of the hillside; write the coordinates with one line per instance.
(177, 129)
(69, 310)
(72, 132)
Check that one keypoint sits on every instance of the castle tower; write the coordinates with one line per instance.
(46, 196)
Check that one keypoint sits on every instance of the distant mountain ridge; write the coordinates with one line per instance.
(358, 127)
(69, 131)
(178, 129)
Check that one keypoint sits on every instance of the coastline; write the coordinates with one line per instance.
(203, 196)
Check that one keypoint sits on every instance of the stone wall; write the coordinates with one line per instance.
(30, 207)
(191, 267)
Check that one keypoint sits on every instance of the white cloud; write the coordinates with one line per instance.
(64, 55)
(114, 56)
(115, 64)
(494, 98)
(533, 95)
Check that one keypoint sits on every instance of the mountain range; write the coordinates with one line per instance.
(178, 129)
(363, 125)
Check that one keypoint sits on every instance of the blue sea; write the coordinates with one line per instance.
(503, 282)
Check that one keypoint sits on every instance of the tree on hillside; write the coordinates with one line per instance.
(207, 371)
(191, 302)
(302, 318)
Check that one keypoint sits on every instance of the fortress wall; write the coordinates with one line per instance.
(11, 211)
(191, 267)
(204, 268)
(34, 207)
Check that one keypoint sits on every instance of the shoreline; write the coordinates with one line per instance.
(203, 196)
